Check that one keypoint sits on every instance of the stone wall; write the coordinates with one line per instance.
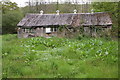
(39, 31)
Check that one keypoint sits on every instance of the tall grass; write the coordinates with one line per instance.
(59, 58)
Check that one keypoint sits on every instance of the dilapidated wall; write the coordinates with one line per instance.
(38, 32)
(72, 22)
(97, 31)
(21, 33)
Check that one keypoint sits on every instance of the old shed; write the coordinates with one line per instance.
(47, 25)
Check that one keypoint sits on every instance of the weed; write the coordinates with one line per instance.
(59, 57)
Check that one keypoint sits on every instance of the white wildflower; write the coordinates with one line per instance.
(25, 61)
(106, 53)
(69, 45)
(73, 68)
(33, 50)
(68, 59)
(5, 53)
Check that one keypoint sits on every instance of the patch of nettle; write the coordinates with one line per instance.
(60, 57)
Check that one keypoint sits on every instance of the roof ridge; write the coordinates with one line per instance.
(64, 13)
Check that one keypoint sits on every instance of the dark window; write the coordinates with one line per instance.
(55, 29)
(52, 30)
(32, 30)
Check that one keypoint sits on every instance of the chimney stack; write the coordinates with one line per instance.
(75, 11)
(41, 12)
(58, 12)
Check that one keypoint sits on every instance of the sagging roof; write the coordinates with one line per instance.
(79, 19)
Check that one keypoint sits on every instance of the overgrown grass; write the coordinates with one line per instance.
(59, 58)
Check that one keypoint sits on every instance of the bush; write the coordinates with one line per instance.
(10, 21)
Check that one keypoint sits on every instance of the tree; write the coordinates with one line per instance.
(9, 6)
(10, 17)
(111, 7)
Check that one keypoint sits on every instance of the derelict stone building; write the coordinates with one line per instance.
(47, 25)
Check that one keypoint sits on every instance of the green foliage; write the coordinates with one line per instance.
(52, 7)
(10, 21)
(113, 9)
(10, 17)
(59, 58)
(9, 6)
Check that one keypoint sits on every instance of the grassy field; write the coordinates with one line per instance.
(0, 57)
(59, 58)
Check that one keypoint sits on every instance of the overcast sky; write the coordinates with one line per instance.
(21, 3)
